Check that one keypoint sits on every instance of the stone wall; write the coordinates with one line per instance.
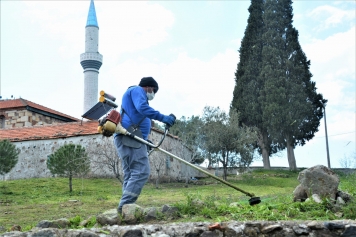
(32, 162)
(342, 228)
(25, 118)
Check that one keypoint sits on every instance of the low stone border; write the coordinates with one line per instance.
(343, 228)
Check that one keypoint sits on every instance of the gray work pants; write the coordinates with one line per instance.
(136, 168)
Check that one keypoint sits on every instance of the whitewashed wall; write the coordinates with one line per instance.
(32, 162)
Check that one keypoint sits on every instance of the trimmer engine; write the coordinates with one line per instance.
(107, 125)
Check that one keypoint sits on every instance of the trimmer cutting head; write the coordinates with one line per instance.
(254, 201)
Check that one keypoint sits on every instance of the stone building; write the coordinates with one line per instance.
(38, 134)
(17, 113)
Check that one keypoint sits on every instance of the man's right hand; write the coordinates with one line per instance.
(169, 120)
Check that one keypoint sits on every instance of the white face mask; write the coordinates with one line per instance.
(150, 96)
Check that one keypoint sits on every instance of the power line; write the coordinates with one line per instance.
(337, 134)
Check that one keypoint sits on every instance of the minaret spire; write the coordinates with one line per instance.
(92, 21)
(91, 60)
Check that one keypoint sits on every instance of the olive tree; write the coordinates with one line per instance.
(226, 140)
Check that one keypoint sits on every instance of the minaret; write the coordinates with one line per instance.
(91, 60)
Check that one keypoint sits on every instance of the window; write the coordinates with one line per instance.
(2, 121)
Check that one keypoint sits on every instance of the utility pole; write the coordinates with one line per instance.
(326, 137)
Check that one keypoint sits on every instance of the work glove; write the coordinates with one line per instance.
(169, 120)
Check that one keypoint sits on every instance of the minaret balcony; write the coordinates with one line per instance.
(91, 56)
(91, 60)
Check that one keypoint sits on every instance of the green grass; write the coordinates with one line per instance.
(26, 202)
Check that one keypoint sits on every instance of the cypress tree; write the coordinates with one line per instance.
(249, 82)
(292, 107)
(273, 90)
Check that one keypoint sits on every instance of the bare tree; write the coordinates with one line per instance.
(158, 163)
(348, 162)
(104, 155)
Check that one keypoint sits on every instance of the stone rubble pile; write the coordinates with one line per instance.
(320, 182)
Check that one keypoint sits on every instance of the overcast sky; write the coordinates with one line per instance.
(189, 47)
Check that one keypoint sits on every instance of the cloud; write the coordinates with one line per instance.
(333, 68)
(186, 84)
(330, 16)
(124, 26)
(131, 26)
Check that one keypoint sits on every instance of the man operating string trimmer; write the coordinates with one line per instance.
(131, 130)
(136, 115)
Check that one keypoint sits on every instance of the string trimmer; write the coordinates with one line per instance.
(111, 124)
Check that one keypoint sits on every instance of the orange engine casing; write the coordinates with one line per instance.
(114, 117)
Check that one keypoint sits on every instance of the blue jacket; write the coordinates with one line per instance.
(135, 104)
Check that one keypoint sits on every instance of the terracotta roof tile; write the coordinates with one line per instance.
(53, 131)
(22, 103)
(50, 131)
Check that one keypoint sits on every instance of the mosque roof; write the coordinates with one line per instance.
(26, 104)
(54, 131)
(91, 20)
(50, 131)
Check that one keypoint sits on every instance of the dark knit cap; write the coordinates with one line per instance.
(149, 81)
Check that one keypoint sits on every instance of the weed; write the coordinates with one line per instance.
(75, 222)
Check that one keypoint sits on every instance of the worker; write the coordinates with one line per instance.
(136, 118)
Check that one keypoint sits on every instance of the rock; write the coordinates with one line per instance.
(169, 211)
(350, 231)
(333, 226)
(300, 194)
(316, 198)
(60, 223)
(314, 225)
(345, 196)
(197, 203)
(317, 180)
(150, 214)
(301, 229)
(109, 217)
(340, 201)
(132, 213)
(339, 214)
(211, 234)
(134, 232)
(270, 228)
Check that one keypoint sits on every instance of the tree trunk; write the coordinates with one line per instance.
(263, 143)
(157, 180)
(291, 157)
(265, 158)
(70, 183)
(225, 173)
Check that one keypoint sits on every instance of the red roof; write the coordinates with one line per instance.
(50, 131)
(53, 131)
(22, 103)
